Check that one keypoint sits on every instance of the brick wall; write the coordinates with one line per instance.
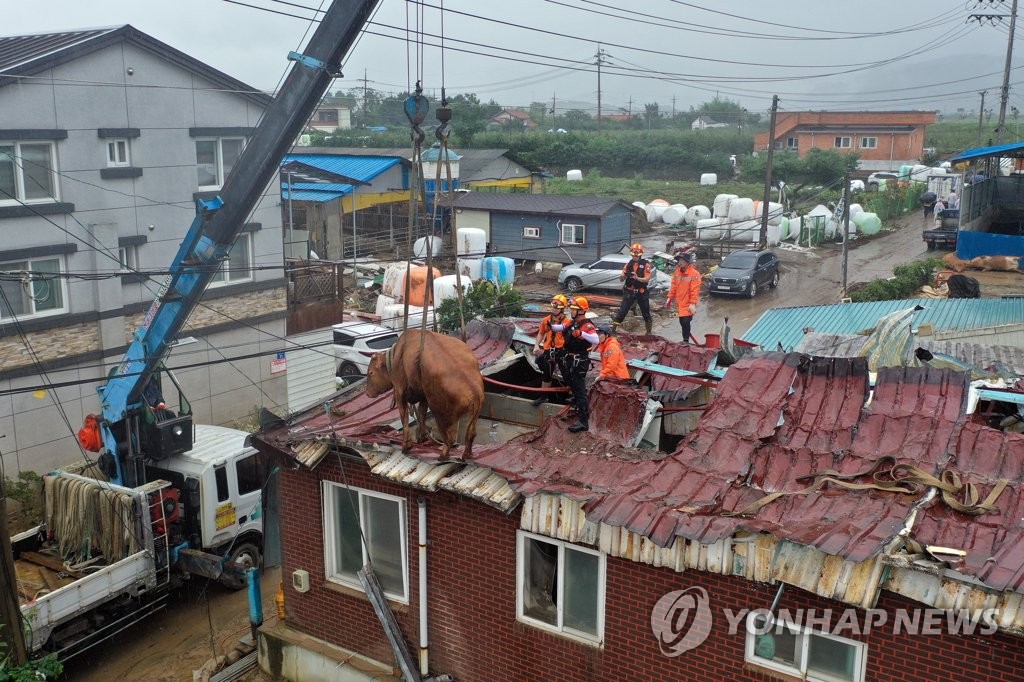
(475, 636)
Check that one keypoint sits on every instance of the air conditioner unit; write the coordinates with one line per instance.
(300, 580)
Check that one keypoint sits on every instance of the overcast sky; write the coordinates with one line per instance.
(871, 54)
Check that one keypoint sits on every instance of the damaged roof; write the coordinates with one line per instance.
(795, 447)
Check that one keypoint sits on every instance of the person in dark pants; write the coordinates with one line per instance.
(636, 275)
(548, 346)
(580, 335)
(928, 200)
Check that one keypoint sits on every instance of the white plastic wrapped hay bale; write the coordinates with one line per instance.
(446, 287)
(574, 175)
(471, 268)
(854, 210)
(709, 228)
(471, 242)
(641, 205)
(784, 229)
(674, 214)
(774, 234)
(721, 205)
(741, 209)
(709, 178)
(382, 303)
(394, 279)
(434, 243)
(696, 213)
(655, 212)
(394, 315)
(743, 231)
(868, 223)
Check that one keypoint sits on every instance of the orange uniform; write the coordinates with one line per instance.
(685, 289)
(613, 360)
(550, 338)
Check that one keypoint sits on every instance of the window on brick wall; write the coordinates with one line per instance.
(868, 142)
(842, 143)
(366, 527)
(560, 587)
(805, 653)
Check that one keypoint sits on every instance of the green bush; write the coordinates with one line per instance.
(483, 299)
(905, 283)
(46, 668)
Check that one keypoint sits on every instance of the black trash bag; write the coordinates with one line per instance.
(962, 286)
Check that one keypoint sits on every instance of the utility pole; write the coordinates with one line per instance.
(846, 227)
(554, 116)
(600, 61)
(365, 83)
(630, 106)
(981, 115)
(763, 240)
(1005, 92)
(673, 107)
(11, 632)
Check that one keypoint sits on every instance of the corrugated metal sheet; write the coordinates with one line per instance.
(363, 168)
(18, 50)
(309, 195)
(786, 325)
(310, 374)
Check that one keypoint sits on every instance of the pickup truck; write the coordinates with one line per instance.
(943, 237)
(107, 555)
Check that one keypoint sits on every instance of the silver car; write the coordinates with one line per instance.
(604, 274)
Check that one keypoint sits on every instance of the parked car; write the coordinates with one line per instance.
(604, 274)
(356, 342)
(745, 272)
(876, 181)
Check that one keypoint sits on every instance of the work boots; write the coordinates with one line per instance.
(582, 425)
(648, 325)
(543, 397)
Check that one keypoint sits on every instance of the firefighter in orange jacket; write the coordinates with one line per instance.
(636, 278)
(548, 346)
(685, 291)
(613, 360)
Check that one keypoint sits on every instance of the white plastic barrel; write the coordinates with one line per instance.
(709, 178)
(435, 243)
(574, 175)
(470, 268)
(498, 269)
(721, 205)
(445, 287)
(471, 241)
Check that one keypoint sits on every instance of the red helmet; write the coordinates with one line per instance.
(581, 303)
(637, 249)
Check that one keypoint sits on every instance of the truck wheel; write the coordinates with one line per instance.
(247, 554)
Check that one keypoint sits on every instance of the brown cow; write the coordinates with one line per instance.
(445, 377)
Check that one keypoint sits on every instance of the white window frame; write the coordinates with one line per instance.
(531, 232)
(843, 142)
(218, 158)
(38, 288)
(19, 174)
(228, 275)
(802, 647)
(128, 257)
(118, 152)
(574, 227)
(792, 143)
(869, 143)
(559, 628)
(331, 493)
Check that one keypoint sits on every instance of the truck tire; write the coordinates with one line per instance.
(246, 554)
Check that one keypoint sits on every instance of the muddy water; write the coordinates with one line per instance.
(812, 277)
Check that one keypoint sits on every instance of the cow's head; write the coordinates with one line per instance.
(378, 378)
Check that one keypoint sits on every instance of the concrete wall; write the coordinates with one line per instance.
(154, 209)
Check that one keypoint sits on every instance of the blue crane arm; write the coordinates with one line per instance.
(219, 221)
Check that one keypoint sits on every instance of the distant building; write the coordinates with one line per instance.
(885, 140)
(330, 117)
(507, 115)
(705, 122)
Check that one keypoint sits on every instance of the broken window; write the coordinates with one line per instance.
(561, 586)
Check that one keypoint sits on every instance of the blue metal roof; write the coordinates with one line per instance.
(1012, 149)
(785, 325)
(363, 168)
(309, 195)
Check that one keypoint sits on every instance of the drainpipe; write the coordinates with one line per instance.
(424, 639)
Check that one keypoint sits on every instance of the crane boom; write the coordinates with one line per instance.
(217, 224)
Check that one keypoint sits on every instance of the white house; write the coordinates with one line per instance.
(703, 122)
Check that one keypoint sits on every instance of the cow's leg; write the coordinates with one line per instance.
(403, 412)
(472, 415)
(444, 427)
(421, 421)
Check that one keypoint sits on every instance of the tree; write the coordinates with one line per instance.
(725, 111)
(651, 113)
(538, 112)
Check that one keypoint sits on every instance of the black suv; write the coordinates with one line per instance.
(745, 272)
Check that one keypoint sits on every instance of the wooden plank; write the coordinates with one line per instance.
(50, 562)
(410, 673)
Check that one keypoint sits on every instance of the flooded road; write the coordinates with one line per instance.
(810, 277)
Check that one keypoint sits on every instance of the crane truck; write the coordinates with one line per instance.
(167, 499)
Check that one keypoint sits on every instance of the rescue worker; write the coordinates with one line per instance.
(548, 346)
(580, 335)
(685, 291)
(613, 360)
(635, 277)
